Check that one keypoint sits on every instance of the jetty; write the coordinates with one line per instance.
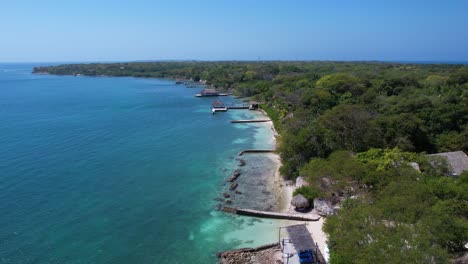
(208, 92)
(233, 106)
(274, 215)
(256, 151)
(251, 121)
(251, 105)
(238, 106)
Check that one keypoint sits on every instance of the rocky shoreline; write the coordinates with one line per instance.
(266, 254)
(255, 182)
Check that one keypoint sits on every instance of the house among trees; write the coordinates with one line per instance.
(457, 160)
(253, 105)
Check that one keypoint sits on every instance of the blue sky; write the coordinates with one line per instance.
(58, 30)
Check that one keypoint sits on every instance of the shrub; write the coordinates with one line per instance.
(308, 192)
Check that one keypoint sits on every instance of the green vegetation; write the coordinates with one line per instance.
(320, 107)
(390, 212)
(274, 116)
(352, 130)
(307, 192)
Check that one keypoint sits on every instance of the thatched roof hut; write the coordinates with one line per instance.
(300, 202)
(457, 160)
(218, 104)
(209, 92)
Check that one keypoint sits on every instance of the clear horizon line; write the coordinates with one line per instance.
(244, 60)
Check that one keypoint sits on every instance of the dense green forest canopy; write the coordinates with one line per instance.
(358, 125)
(390, 212)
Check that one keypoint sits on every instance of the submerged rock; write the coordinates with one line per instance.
(242, 162)
(234, 176)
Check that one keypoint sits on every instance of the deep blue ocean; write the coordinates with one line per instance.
(119, 170)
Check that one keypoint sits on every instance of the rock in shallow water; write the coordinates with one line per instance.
(266, 254)
(233, 186)
(242, 162)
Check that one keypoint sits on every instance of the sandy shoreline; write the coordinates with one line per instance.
(278, 197)
(284, 192)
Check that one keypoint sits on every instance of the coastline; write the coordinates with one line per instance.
(283, 191)
(257, 229)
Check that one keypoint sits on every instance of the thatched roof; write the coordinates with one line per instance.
(300, 201)
(217, 103)
(457, 160)
(209, 90)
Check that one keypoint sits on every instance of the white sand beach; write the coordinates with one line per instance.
(284, 191)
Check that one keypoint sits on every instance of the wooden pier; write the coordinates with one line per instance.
(256, 151)
(238, 106)
(212, 95)
(232, 106)
(274, 215)
(251, 121)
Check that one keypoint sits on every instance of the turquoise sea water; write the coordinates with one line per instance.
(121, 170)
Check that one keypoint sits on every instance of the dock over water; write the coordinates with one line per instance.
(274, 215)
(256, 151)
(238, 106)
(251, 121)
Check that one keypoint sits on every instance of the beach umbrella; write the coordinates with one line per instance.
(300, 201)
